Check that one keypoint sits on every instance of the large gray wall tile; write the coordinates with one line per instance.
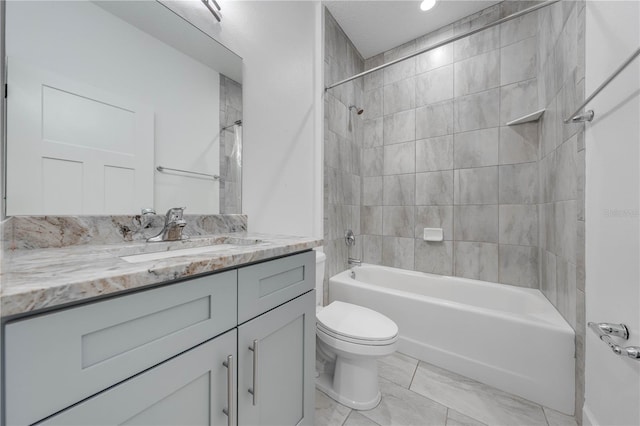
(476, 148)
(518, 61)
(434, 86)
(398, 252)
(476, 223)
(434, 257)
(434, 120)
(476, 260)
(399, 190)
(477, 111)
(399, 127)
(371, 220)
(566, 225)
(372, 191)
(400, 71)
(519, 265)
(398, 221)
(400, 158)
(434, 59)
(372, 249)
(372, 160)
(434, 154)
(372, 133)
(519, 184)
(476, 186)
(476, 44)
(519, 224)
(400, 96)
(477, 74)
(434, 188)
(519, 29)
(373, 103)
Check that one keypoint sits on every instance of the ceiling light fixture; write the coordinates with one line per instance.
(427, 5)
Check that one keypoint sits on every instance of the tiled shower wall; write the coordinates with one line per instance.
(561, 168)
(437, 153)
(342, 149)
(230, 146)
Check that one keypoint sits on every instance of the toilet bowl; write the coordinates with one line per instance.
(349, 341)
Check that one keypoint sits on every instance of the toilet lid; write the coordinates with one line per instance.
(356, 322)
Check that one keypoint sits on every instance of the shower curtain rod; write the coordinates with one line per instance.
(445, 42)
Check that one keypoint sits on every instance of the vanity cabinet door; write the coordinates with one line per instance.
(276, 354)
(190, 389)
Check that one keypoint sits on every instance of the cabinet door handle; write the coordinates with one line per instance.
(254, 390)
(229, 411)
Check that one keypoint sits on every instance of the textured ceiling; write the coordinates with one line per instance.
(377, 26)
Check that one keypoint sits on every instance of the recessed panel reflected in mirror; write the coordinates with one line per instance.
(101, 94)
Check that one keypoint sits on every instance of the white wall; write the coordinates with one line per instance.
(281, 46)
(82, 41)
(612, 389)
(282, 182)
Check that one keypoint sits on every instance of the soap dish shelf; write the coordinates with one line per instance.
(534, 116)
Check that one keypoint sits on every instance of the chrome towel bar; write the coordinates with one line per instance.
(606, 330)
(162, 169)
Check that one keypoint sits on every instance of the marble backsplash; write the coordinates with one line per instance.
(37, 232)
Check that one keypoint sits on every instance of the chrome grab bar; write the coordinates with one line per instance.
(605, 330)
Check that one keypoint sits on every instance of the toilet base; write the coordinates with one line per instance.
(356, 385)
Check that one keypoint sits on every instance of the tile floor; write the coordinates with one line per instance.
(417, 393)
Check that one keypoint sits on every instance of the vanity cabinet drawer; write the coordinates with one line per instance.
(264, 286)
(55, 360)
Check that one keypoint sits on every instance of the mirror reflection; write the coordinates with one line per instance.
(117, 106)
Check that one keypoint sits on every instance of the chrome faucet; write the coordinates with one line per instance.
(354, 262)
(173, 226)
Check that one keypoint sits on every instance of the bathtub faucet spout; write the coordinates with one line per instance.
(354, 262)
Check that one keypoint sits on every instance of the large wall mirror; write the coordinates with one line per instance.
(115, 106)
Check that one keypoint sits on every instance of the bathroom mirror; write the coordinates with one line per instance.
(115, 106)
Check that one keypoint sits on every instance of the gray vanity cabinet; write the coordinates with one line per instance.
(190, 389)
(156, 357)
(276, 365)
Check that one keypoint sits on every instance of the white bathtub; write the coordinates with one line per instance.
(508, 337)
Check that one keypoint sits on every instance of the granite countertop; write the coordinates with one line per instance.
(43, 278)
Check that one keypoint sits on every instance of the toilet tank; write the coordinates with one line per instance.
(320, 260)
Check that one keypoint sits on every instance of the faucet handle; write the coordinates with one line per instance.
(147, 211)
(174, 214)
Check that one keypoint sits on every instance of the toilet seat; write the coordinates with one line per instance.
(356, 325)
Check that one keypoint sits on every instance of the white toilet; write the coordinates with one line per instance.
(349, 341)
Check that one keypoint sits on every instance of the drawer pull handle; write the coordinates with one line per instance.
(254, 390)
(230, 412)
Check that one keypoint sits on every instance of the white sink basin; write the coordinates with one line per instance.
(145, 257)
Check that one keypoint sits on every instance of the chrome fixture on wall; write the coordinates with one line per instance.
(349, 238)
(235, 123)
(359, 111)
(588, 115)
(606, 330)
(214, 11)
